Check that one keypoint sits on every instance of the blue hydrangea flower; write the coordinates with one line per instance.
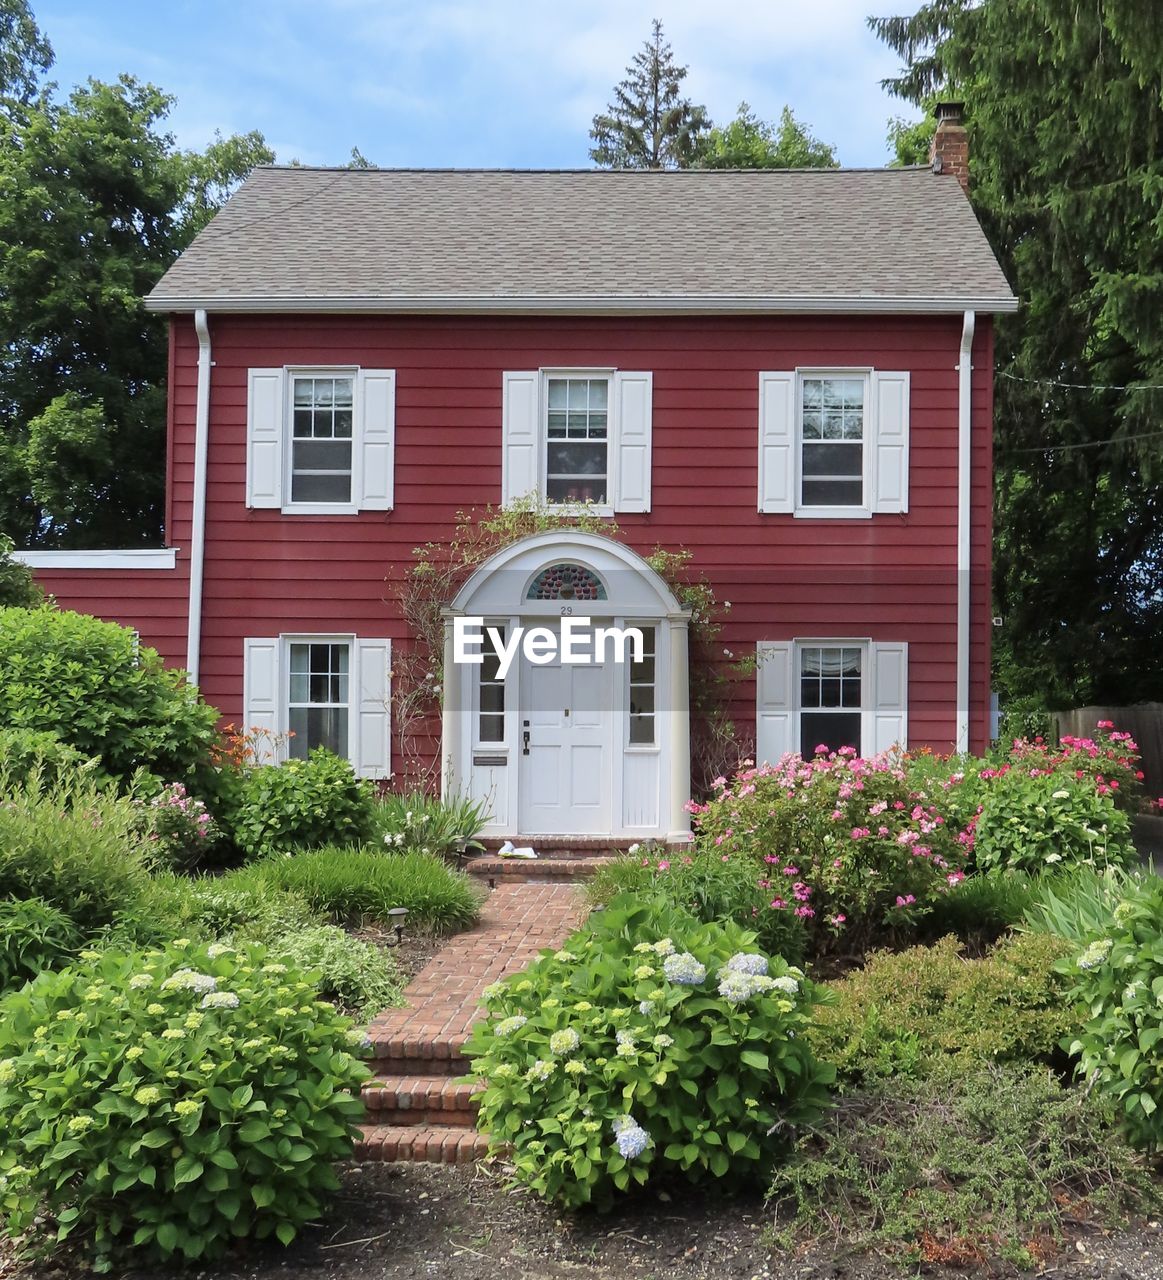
(746, 962)
(629, 1136)
(684, 969)
(735, 988)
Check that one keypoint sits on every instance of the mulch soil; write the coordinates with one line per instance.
(392, 1222)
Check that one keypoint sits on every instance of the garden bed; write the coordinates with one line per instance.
(463, 1224)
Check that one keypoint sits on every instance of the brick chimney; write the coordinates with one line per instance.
(949, 152)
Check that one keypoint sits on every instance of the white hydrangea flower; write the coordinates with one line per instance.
(747, 962)
(564, 1041)
(1095, 956)
(507, 1026)
(684, 969)
(220, 1000)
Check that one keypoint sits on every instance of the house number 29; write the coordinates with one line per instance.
(567, 611)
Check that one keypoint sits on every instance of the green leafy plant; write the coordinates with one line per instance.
(998, 1164)
(103, 693)
(350, 885)
(1118, 980)
(302, 804)
(179, 825)
(33, 937)
(1079, 903)
(359, 977)
(983, 906)
(649, 1044)
(78, 846)
(27, 751)
(171, 1102)
(929, 1012)
(711, 886)
(18, 588)
(416, 821)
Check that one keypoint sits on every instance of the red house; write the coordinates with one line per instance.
(786, 373)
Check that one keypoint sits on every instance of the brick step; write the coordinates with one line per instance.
(421, 1100)
(385, 1062)
(549, 868)
(548, 847)
(421, 1143)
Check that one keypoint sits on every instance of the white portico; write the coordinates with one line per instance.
(556, 748)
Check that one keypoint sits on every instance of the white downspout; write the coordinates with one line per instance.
(964, 497)
(198, 520)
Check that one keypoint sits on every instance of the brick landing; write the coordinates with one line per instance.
(417, 1112)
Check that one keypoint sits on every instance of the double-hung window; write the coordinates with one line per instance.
(319, 697)
(834, 443)
(577, 438)
(831, 697)
(320, 441)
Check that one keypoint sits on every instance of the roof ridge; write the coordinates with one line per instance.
(640, 173)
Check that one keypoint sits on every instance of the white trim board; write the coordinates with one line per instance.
(135, 558)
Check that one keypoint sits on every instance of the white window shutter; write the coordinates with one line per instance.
(777, 442)
(890, 466)
(373, 709)
(265, 426)
(775, 733)
(633, 410)
(262, 695)
(889, 691)
(520, 436)
(374, 467)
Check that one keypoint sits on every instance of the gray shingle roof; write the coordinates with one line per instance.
(297, 239)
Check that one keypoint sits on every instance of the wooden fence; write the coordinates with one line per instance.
(1144, 722)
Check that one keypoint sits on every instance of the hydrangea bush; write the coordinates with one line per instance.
(169, 1102)
(649, 1044)
(850, 845)
(1119, 981)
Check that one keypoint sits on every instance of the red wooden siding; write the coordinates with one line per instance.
(889, 578)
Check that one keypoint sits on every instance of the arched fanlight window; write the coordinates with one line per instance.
(566, 582)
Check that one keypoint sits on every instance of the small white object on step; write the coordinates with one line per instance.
(508, 851)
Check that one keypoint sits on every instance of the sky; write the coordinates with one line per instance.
(473, 83)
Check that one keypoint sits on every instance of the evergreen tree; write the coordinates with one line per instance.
(649, 124)
(1065, 114)
(751, 143)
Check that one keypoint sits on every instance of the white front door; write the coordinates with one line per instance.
(565, 747)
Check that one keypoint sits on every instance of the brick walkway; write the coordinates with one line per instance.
(417, 1111)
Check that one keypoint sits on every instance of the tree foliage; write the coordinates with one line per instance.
(97, 201)
(1065, 113)
(751, 143)
(649, 124)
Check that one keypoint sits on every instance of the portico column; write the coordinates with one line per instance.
(451, 719)
(679, 820)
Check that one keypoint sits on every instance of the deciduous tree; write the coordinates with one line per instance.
(751, 143)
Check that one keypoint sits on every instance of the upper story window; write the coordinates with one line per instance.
(577, 437)
(832, 442)
(322, 422)
(320, 441)
(577, 449)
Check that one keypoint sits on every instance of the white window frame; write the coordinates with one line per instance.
(285, 643)
(595, 374)
(867, 724)
(868, 445)
(501, 746)
(644, 748)
(351, 507)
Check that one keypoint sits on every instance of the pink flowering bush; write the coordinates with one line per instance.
(851, 847)
(180, 826)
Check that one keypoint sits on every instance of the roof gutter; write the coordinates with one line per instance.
(964, 496)
(198, 523)
(587, 304)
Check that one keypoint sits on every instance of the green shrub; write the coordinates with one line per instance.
(418, 822)
(1079, 904)
(172, 1102)
(1029, 822)
(1119, 982)
(861, 853)
(78, 846)
(359, 977)
(33, 937)
(180, 826)
(711, 887)
(27, 751)
(650, 1044)
(929, 1012)
(983, 906)
(998, 1165)
(302, 804)
(350, 885)
(18, 588)
(90, 682)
